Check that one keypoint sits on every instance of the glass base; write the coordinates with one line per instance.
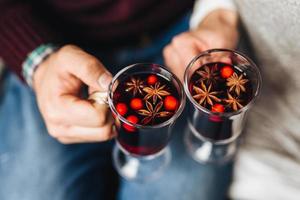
(205, 151)
(140, 168)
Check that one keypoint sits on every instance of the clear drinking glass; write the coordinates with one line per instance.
(141, 151)
(212, 136)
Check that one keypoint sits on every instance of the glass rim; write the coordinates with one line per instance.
(225, 114)
(160, 125)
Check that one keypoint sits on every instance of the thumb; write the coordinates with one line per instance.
(89, 70)
(94, 75)
(104, 80)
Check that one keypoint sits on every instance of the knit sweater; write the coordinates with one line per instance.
(268, 162)
(25, 25)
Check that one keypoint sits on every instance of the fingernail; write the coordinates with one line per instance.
(104, 80)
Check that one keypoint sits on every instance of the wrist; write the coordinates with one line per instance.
(34, 60)
(220, 19)
(203, 8)
(39, 71)
(223, 23)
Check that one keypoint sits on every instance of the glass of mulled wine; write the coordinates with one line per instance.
(221, 86)
(145, 100)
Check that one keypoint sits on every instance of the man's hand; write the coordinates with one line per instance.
(217, 30)
(58, 82)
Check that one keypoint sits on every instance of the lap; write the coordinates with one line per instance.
(35, 166)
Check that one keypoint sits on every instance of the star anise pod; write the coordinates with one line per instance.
(209, 75)
(205, 95)
(154, 92)
(135, 85)
(236, 83)
(151, 113)
(235, 103)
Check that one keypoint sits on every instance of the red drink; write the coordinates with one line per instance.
(145, 99)
(220, 88)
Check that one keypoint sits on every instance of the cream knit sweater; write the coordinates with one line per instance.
(268, 163)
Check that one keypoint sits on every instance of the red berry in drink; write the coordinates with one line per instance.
(152, 79)
(170, 103)
(133, 119)
(218, 108)
(226, 71)
(121, 108)
(136, 103)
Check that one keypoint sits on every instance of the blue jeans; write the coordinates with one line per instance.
(34, 166)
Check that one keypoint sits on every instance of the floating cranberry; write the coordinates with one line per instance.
(218, 108)
(170, 103)
(226, 71)
(136, 103)
(133, 119)
(121, 108)
(152, 79)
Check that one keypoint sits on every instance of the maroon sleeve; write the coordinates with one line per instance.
(20, 33)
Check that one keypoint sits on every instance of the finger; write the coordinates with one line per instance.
(87, 68)
(64, 140)
(187, 48)
(224, 58)
(72, 110)
(187, 54)
(201, 44)
(193, 45)
(75, 134)
(173, 61)
(84, 134)
(94, 75)
(71, 140)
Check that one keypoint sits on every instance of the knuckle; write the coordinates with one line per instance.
(92, 61)
(51, 115)
(63, 141)
(178, 39)
(106, 134)
(183, 40)
(177, 43)
(91, 67)
(166, 51)
(62, 52)
(67, 48)
(94, 66)
(65, 53)
(53, 132)
(106, 137)
(101, 118)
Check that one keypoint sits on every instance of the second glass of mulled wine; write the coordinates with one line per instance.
(145, 100)
(221, 86)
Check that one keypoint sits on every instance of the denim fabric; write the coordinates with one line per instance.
(34, 166)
